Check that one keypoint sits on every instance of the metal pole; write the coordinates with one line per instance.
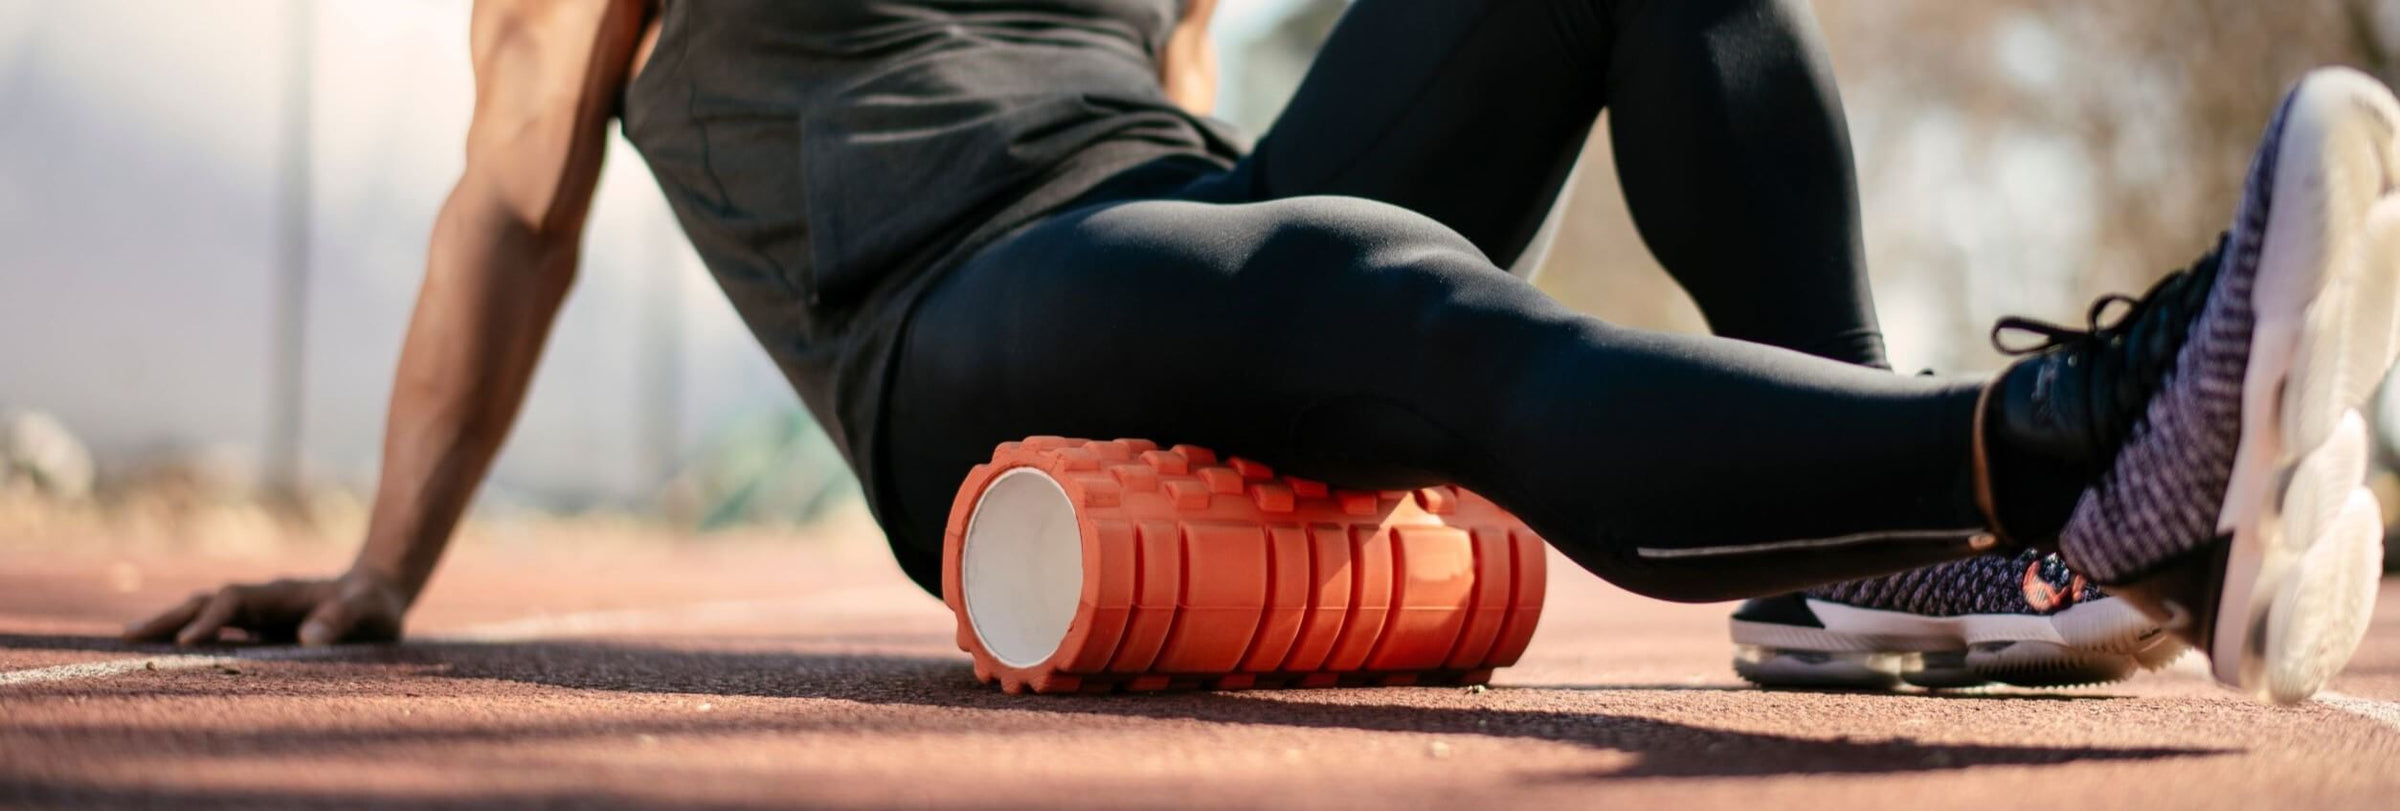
(286, 398)
(662, 374)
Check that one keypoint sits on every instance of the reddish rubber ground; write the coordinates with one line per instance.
(747, 676)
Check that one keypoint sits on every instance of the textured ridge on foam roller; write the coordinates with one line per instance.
(1209, 573)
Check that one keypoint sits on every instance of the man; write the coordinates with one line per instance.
(957, 223)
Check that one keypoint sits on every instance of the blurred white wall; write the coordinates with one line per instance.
(138, 167)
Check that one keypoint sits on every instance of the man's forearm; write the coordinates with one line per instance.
(493, 283)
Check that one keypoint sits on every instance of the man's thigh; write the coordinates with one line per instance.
(1178, 322)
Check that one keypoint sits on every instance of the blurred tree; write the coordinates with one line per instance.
(2165, 100)
(2020, 156)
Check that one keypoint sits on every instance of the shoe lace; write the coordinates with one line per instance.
(2131, 353)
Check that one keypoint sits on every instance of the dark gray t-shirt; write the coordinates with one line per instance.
(829, 157)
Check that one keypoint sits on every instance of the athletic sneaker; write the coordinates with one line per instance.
(2232, 509)
(2022, 619)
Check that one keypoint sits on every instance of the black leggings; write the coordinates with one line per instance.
(1334, 305)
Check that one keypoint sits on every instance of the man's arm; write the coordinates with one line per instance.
(502, 257)
(1188, 69)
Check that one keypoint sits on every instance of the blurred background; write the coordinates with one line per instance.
(215, 214)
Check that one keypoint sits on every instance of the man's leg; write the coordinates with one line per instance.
(1730, 142)
(1735, 162)
(1355, 342)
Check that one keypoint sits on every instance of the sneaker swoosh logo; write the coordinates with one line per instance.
(2043, 596)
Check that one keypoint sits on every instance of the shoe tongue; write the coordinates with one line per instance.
(2041, 450)
(2043, 408)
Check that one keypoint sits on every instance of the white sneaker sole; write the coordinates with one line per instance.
(2299, 580)
(1863, 648)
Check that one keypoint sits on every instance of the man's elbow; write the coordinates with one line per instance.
(480, 235)
(535, 169)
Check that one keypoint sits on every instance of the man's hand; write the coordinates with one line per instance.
(356, 607)
(1188, 67)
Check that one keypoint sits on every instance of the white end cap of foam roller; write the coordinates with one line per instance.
(1021, 568)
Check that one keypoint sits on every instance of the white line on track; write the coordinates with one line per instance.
(540, 626)
(2386, 713)
(2383, 712)
(172, 661)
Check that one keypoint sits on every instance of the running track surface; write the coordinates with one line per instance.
(749, 676)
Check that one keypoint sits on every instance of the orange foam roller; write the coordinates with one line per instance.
(1082, 566)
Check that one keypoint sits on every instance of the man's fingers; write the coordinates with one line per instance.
(326, 625)
(159, 627)
(213, 617)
